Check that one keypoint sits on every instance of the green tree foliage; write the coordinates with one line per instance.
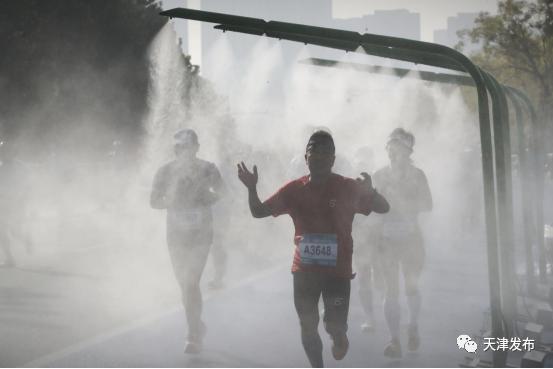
(517, 47)
(75, 66)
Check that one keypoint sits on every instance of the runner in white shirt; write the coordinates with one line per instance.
(400, 241)
(188, 187)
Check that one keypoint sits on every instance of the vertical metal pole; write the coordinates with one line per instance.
(538, 182)
(487, 147)
(525, 194)
(502, 253)
(508, 251)
(540, 194)
(499, 360)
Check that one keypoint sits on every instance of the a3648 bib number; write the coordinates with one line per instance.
(318, 249)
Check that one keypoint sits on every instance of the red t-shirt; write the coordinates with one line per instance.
(326, 208)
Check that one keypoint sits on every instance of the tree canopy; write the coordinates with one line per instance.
(517, 47)
(72, 65)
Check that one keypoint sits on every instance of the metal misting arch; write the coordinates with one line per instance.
(528, 169)
(494, 136)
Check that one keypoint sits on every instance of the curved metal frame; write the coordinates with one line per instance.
(502, 145)
(526, 172)
(528, 203)
(495, 141)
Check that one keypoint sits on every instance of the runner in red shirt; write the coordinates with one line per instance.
(322, 206)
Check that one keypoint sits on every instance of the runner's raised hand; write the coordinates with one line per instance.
(248, 178)
(366, 182)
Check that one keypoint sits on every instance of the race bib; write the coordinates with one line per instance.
(189, 219)
(318, 249)
(398, 229)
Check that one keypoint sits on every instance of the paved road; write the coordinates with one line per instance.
(59, 314)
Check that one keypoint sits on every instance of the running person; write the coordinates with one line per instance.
(322, 206)
(400, 237)
(187, 187)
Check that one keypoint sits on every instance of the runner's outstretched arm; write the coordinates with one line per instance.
(249, 179)
(379, 203)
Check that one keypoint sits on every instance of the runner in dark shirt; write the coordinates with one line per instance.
(322, 206)
(187, 187)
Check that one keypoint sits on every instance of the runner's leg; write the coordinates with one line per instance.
(219, 256)
(412, 266)
(307, 291)
(188, 264)
(411, 274)
(336, 295)
(391, 299)
(192, 295)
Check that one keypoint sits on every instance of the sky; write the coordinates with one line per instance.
(434, 13)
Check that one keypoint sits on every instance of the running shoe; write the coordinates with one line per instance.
(194, 344)
(393, 350)
(340, 345)
(192, 347)
(368, 326)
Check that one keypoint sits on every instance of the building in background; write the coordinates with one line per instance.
(391, 22)
(449, 36)
(397, 23)
(197, 38)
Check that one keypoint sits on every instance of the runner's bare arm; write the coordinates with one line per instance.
(379, 203)
(249, 179)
